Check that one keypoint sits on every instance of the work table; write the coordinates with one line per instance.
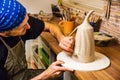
(112, 51)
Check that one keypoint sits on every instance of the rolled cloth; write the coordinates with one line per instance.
(12, 14)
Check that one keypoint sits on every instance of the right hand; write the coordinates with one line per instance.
(67, 44)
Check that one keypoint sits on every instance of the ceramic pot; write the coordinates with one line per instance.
(84, 42)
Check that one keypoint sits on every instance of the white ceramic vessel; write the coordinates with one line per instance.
(84, 42)
(84, 57)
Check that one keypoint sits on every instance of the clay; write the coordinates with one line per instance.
(84, 42)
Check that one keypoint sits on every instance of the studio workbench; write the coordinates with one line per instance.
(111, 51)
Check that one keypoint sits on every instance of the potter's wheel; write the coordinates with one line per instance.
(101, 62)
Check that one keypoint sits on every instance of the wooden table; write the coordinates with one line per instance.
(110, 73)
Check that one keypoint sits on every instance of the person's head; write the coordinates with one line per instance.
(13, 18)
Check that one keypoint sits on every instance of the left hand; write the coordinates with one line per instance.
(67, 44)
(55, 69)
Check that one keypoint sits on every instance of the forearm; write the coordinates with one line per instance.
(54, 30)
(43, 76)
(65, 42)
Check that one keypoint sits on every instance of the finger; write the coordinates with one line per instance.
(69, 49)
(58, 63)
(67, 39)
(57, 74)
(68, 42)
(62, 68)
(66, 45)
(71, 39)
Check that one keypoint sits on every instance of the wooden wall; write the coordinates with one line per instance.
(111, 23)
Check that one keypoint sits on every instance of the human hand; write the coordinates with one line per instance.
(55, 69)
(67, 44)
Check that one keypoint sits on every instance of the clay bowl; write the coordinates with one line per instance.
(102, 39)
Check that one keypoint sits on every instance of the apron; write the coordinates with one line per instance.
(16, 64)
(16, 60)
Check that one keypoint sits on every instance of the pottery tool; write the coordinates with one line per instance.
(62, 12)
(73, 32)
(68, 14)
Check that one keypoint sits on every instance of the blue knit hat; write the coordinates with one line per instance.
(12, 14)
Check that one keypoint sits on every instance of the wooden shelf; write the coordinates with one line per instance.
(83, 8)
